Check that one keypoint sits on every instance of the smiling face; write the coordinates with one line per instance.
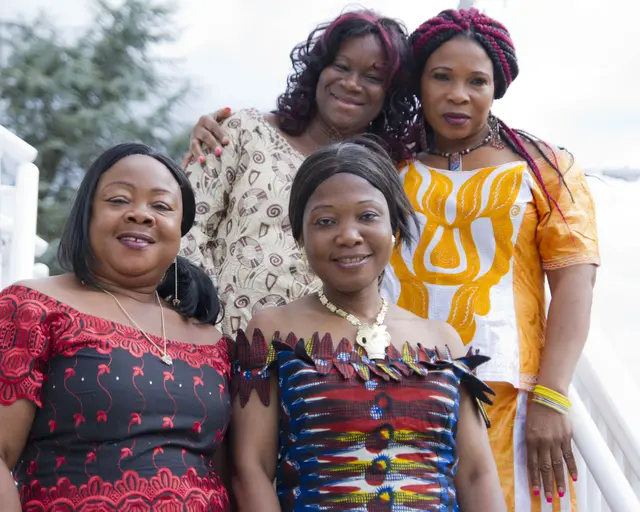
(347, 233)
(350, 92)
(457, 90)
(135, 221)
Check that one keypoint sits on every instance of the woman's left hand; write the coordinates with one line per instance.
(548, 436)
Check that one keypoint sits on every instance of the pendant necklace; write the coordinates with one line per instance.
(373, 338)
(455, 159)
(164, 356)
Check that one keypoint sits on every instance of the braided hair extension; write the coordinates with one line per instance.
(495, 39)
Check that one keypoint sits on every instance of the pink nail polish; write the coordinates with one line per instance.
(561, 494)
(574, 478)
(549, 499)
(218, 151)
(201, 159)
(536, 492)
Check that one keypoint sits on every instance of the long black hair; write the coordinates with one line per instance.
(198, 297)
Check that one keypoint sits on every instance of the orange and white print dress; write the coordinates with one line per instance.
(486, 238)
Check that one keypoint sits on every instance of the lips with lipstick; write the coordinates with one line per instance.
(352, 261)
(455, 118)
(134, 240)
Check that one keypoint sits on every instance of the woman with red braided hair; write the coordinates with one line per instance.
(499, 210)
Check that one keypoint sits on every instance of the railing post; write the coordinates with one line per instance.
(23, 239)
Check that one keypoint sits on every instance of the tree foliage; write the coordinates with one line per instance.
(72, 95)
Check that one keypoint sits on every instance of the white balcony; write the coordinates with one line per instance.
(19, 244)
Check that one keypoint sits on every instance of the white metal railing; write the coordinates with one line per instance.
(605, 415)
(18, 212)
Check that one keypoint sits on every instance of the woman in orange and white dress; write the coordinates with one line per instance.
(499, 211)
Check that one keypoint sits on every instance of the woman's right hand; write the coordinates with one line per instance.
(209, 133)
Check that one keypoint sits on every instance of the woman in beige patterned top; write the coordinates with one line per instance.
(344, 78)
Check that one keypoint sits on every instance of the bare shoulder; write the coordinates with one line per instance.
(435, 333)
(205, 334)
(267, 320)
(284, 319)
(57, 287)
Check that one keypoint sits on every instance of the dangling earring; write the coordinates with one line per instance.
(393, 240)
(304, 263)
(494, 132)
(424, 145)
(176, 300)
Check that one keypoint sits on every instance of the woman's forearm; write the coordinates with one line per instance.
(567, 325)
(254, 490)
(9, 497)
(481, 494)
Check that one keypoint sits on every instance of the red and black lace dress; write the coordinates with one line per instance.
(115, 429)
(360, 435)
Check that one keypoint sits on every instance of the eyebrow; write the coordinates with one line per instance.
(321, 206)
(376, 66)
(131, 185)
(445, 68)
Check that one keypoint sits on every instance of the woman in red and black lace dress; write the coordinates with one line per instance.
(113, 381)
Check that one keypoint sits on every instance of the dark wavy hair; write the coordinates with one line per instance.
(496, 41)
(296, 107)
(198, 297)
(364, 156)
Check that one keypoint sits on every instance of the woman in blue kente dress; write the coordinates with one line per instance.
(359, 405)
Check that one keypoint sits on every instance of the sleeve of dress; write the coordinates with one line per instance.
(212, 183)
(477, 388)
(251, 370)
(24, 345)
(567, 236)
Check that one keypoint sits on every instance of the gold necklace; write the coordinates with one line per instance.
(165, 358)
(374, 338)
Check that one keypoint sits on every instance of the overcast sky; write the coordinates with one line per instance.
(579, 60)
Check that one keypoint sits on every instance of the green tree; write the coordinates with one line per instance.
(71, 96)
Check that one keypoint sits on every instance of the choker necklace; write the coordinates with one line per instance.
(455, 159)
(164, 356)
(373, 338)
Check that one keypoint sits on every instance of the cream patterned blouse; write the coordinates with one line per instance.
(242, 235)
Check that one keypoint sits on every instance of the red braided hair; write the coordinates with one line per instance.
(495, 39)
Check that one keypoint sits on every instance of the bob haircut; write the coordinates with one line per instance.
(361, 156)
(198, 297)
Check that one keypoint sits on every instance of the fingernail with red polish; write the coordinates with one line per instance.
(218, 151)
(201, 159)
(574, 478)
(561, 493)
(549, 499)
(536, 492)
(227, 109)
